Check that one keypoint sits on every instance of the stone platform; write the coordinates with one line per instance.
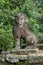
(36, 58)
(13, 58)
(24, 51)
(19, 54)
(16, 54)
(31, 55)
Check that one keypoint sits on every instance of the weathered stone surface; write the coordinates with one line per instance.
(17, 54)
(35, 58)
(12, 58)
(15, 58)
(22, 57)
(24, 51)
(5, 52)
(23, 54)
(2, 57)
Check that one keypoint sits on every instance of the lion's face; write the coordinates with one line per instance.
(20, 19)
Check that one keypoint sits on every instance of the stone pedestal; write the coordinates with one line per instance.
(13, 58)
(35, 58)
(19, 54)
(24, 51)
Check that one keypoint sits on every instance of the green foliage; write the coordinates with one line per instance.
(6, 39)
(8, 8)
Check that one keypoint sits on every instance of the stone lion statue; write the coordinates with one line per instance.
(21, 30)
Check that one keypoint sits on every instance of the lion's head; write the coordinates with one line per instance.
(20, 19)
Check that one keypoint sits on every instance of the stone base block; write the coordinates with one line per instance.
(24, 51)
(36, 58)
(13, 58)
